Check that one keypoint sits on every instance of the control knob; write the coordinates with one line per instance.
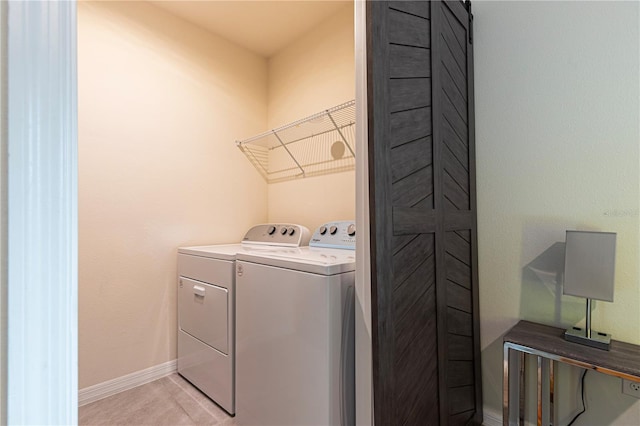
(323, 230)
(351, 230)
(292, 231)
(271, 230)
(333, 229)
(283, 231)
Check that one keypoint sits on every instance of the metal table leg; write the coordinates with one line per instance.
(521, 385)
(551, 391)
(510, 389)
(539, 399)
(505, 386)
(545, 391)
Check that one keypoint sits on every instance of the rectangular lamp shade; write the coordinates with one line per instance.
(589, 264)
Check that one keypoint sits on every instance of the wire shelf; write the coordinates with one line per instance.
(320, 144)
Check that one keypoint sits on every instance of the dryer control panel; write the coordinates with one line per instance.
(278, 234)
(340, 235)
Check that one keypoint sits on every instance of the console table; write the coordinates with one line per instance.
(548, 345)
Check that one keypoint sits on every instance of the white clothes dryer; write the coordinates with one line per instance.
(295, 332)
(206, 307)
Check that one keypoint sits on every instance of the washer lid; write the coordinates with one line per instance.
(305, 259)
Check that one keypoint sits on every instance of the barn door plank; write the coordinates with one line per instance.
(422, 207)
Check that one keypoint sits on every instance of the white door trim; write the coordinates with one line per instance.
(364, 379)
(42, 334)
(3, 212)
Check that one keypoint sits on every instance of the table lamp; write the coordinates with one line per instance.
(589, 266)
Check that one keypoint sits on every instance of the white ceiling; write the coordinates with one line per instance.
(262, 26)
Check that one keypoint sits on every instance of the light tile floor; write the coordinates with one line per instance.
(167, 401)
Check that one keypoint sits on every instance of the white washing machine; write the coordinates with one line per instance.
(206, 307)
(295, 332)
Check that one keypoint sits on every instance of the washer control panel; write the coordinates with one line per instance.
(340, 235)
(278, 234)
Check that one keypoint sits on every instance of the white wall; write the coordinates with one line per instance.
(314, 73)
(161, 103)
(557, 136)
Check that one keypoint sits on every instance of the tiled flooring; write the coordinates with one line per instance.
(167, 401)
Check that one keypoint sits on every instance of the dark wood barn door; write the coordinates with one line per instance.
(426, 358)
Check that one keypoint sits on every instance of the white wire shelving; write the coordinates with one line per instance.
(319, 144)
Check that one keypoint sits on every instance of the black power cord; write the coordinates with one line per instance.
(584, 407)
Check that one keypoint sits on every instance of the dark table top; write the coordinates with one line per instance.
(622, 357)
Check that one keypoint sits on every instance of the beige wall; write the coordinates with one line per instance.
(557, 136)
(161, 103)
(314, 73)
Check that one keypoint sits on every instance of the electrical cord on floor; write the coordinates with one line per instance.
(584, 407)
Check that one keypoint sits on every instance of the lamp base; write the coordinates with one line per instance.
(597, 340)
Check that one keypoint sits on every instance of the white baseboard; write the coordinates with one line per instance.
(129, 381)
(491, 418)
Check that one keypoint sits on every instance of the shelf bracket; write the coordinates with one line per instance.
(289, 152)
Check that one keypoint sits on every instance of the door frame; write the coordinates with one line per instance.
(41, 212)
(364, 372)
